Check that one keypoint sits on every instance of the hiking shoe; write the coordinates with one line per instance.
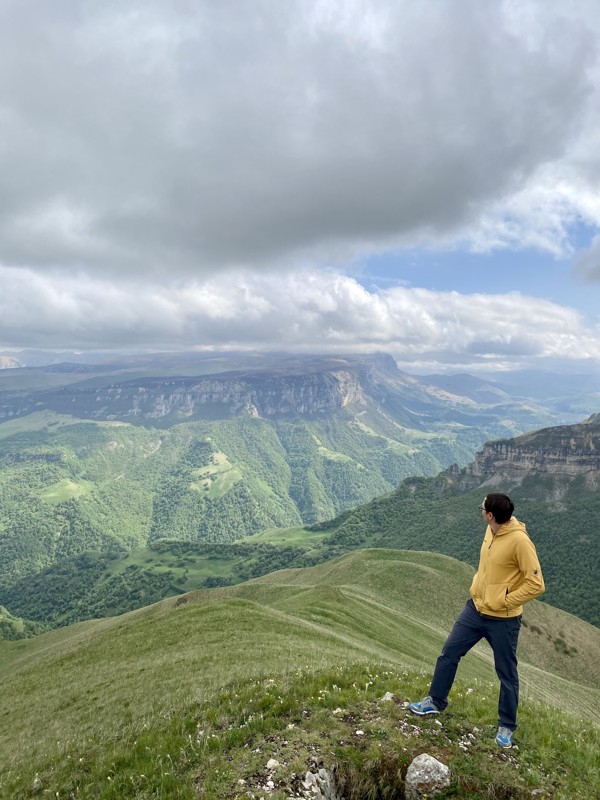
(424, 707)
(504, 737)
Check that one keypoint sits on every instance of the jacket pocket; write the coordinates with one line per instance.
(495, 596)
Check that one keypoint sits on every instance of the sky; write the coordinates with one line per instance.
(421, 179)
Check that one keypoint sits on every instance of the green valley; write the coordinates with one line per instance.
(290, 467)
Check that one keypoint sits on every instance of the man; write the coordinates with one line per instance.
(509, 575)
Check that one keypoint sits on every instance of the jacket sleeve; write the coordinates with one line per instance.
(532, 582)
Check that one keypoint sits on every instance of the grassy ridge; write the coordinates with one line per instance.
(96, 690)
(435, 514)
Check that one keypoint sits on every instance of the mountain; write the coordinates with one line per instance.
(566, 394)
(168, 390)
(552, 475)
(220, 456)
(116, 455)
(194, 696)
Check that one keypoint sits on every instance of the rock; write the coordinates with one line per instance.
(387, 697)
(426, 776)
(272, 763)
(320, 786)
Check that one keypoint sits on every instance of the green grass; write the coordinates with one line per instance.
(217, 478)
(199, 691)
(333, 455)
(65, 490)
(45, 421)
(334, 717)
(300, 537)
(189, 570)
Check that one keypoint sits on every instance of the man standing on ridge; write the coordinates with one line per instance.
(509, 575)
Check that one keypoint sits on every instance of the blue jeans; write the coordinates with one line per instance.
(502, 636)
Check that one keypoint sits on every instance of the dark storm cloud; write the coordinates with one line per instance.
(180, 136)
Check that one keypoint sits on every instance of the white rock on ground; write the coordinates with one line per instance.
(426, 776)
(320, 786)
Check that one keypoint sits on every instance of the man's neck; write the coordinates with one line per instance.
(495, 527)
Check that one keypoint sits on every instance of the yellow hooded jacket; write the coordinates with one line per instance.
(509, 572)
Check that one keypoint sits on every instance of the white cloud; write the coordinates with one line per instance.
(304, 311)
(176, 175)
(147, 137)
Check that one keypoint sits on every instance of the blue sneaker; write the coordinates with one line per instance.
(504, 737)
(424, 707)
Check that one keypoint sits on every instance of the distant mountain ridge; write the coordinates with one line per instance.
(170, 388)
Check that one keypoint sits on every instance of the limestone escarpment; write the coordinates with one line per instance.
(211, 397)
(564, 450)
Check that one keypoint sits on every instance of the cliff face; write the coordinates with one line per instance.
(564, 450)
(210, 397)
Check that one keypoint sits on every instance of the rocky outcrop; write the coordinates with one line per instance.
(565, 450)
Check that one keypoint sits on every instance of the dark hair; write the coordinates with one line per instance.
(500, 505)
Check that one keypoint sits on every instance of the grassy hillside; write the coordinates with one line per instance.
(434, 514)
(196, 693)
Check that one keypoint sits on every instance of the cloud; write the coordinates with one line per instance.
(306, 311)
(587, 263)
(149, 138)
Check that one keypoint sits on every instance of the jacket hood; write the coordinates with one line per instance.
(511, 526)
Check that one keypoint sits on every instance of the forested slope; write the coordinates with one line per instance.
(70, 488)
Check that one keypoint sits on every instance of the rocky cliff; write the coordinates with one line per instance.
(562, 450)
(167, 389)
(210, 397)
